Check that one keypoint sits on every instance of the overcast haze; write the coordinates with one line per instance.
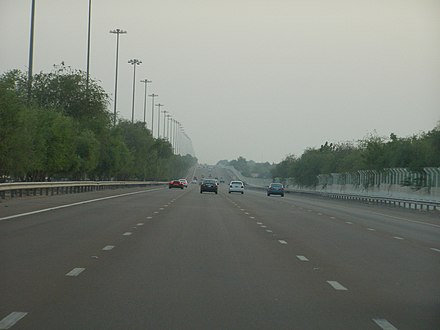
(254, 78)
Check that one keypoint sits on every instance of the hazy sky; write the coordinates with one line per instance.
(254, 78)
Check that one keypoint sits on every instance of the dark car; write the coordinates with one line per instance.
(209, 185)
(275, 189)
(175, 184)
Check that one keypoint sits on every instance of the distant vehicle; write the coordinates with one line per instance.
(184, 182)
(209, 185)
(175, 184)
(275, 189)
(236, 186)
(194, 181)
(222, 180)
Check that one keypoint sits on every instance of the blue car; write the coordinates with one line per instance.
(275, 189)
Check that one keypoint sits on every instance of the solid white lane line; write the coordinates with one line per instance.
(282, 241)
(108, 247)
(302, 258)
(415, 221)
(11, 319)
(127, 233)
(434, 249)
(337, 286)
(75, 271)
(397, 237)
(384, 324)
(75, 204)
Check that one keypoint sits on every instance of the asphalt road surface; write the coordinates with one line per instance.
(176, 259)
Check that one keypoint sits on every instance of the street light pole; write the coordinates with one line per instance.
(88, 46)
(152, 113)
(164, 122)
(31, 51)
(168, 127)
(117, 32)
(158, 119)
(146, 82)
(134, 62)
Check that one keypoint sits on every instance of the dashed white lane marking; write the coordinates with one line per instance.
(348, 222)
(11, 319)
(397, 237)
(155, 212)
(259, 223)
(282, 241)
(108, 247)
(242, 210)
(337, 286)
(75, 271)
(263, 226)
(75, 204)
(139, 224)
(434, 249)
(251, 217)
(333, 218)
(371, 229)
(247, 213)
(268, 230)
(127, 233)
(161, 209)
(384, 324)
(149, 217)
(319, 213)
(302, 258)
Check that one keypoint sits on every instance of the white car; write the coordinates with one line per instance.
(236, 186)
(184, 182)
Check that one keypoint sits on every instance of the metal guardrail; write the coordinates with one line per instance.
(407, 203)
(20, 189)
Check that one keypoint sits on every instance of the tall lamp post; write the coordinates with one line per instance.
(152, 113)
(146, 82)
(88, 46)
(134, 62)
(168, 127)
(31, 51)
(117, 32)
(164, 122)
(158, 119)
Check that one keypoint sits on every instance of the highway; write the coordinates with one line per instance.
(162, 258)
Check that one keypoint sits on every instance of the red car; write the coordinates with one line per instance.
(175, 184)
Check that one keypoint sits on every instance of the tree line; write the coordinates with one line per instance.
(250, 168)
(63, 130)
(371, 153)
